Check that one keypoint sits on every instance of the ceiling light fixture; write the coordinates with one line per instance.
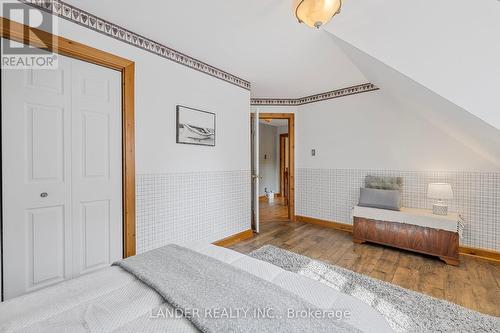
(316, 13)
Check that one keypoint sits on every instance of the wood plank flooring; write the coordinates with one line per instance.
(474, 284)
(273, 211)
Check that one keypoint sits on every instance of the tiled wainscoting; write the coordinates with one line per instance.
(329, 194)
(205, 206)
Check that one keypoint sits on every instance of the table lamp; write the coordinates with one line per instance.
(439, 191)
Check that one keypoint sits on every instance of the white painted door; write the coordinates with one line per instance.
(255, 171)
(61, 173)
(96, 166)
(36, 178)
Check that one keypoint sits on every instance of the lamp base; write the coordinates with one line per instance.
(439, 209)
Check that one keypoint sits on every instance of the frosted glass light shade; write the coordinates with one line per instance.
(441, 191)
(315, 13)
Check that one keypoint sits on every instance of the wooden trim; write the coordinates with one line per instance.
(276, 116)
(231, 240)
(276, 195)
(128, 160)
(282, 144)
(325, 223)
(60, 45)
(38, 38)
(463, 250)
(480, 253)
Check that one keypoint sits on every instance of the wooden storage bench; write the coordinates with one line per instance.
(410, 229)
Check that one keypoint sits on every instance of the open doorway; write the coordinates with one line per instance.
(274, 186)
(274, 170)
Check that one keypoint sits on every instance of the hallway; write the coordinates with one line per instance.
(276, 211)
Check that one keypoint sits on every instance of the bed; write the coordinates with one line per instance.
(113, 300)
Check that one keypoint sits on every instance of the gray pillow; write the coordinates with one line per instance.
(384, 183)
(385, 199)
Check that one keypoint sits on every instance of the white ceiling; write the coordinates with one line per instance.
(274, 122)
(259, 41)
(452, 47)
(459, 124)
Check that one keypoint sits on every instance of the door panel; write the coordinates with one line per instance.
(46, 247)
(46, 80)
(95, 223)
(96, 88)
(45, 139)
(96, 166)
(95, 141)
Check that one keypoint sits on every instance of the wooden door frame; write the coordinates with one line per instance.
(282, 145)
(291, 156)
(37, 38)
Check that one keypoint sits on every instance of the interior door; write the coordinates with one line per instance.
(96, 167)
(61, 173)
(255, 170)
(36, 178)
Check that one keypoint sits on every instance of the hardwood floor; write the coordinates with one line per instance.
(273, 211)
(474, 284)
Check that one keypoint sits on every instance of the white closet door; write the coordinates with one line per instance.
(36, 170)
(61, 171)
(97, 166)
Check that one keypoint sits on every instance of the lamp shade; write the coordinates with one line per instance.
(439, 191)
(315, 13)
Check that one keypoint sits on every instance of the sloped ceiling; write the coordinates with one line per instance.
(472, 132)
(450, 47)
(259, 41)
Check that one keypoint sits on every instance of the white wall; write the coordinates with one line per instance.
(160, 85)
(374, 131)
(267, 159)
(270, 167)
(178, 186)
(454, 121)
(413, 134)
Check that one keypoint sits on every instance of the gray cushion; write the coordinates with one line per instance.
(384, 183)
(385, 199)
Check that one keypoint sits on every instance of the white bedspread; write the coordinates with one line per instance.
(112, 300)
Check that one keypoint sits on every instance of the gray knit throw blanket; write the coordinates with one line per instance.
(201, 286)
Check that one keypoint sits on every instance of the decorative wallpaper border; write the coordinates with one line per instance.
(97, 24)
(361, 88)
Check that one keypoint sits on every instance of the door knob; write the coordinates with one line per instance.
(44, 194)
